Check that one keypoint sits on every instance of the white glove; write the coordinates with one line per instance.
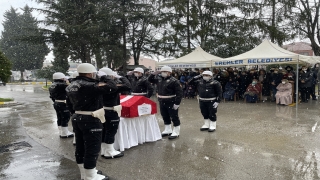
(117, 76)
(175, 107)
(215, 105)
(101, 73)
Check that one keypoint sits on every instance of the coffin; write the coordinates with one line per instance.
(135, 106)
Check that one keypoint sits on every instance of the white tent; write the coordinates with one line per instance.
(196, 59)
(267, 53)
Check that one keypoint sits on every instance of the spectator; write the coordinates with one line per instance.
(253, 91)
(275, 80)
(284, 93)
(230, 90)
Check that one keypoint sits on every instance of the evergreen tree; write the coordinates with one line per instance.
(271, 16)
(60, 52)
(5, 67)
(18, 42)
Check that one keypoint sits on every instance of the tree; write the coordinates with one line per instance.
(271, 16)
(306, 20)
(60, 52)
(46, 73)
(18, 40)
(5, 67)
(80, 22)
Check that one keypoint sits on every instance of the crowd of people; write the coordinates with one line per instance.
(91, 100)
(257, 84)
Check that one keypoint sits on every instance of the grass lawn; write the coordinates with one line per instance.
(46, 87)
(6, 99)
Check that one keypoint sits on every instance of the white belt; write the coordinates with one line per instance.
(138, 94)
(108, 108)
(115, 108)
(97, 114)
(84, 112)
(164, 97)
(63, 101)
(208, 99)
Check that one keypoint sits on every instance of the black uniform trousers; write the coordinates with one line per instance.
(63, 114)
(168, 113)
(207, 110)
(313, 91)
(88, 131)
(305, 93)
(110, 127)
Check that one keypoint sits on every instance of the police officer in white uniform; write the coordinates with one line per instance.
(210, 94)
(140, 85)
(85, 94)
(112, 107)
(58, 96)
(169, 95)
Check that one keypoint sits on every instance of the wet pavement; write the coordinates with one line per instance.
(252, 141)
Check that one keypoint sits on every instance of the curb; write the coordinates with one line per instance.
(29, 83)
(10, 102)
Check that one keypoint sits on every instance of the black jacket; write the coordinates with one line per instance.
(307, 77)
(141, 85)
(276, 78)
(168, 86)
(58, 90)
(113, 99)
(208, 89)
(85, 94)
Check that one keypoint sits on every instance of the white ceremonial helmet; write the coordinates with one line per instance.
(75, 74)
(58, 75)
(207, 73)
(106, 70)
(138, 70)
(166, 68)
(86, 68)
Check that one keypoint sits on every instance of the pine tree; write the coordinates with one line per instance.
(18, 41)
(5, 67)
(60, 52)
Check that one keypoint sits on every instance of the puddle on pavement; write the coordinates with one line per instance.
(15, 147)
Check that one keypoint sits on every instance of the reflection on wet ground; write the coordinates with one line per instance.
(20, 156)
(252, 141)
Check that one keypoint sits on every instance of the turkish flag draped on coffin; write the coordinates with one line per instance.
(130, 105)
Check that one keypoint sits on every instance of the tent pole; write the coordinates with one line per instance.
(297, 88)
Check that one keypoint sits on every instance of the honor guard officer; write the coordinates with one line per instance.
(58, 95)
(85, 94)
(73, 77)
(210, 95)
(140, 85)
(169, 96)
(112, 107)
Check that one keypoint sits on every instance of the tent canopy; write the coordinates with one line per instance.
(196, 59)
(266, 53)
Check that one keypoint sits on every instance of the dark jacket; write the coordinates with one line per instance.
(85, 94)
(167, 87)
(113, 99)
(307, 77)
(141, 85)
(208, 89)
(58, 90)
(276, 78)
